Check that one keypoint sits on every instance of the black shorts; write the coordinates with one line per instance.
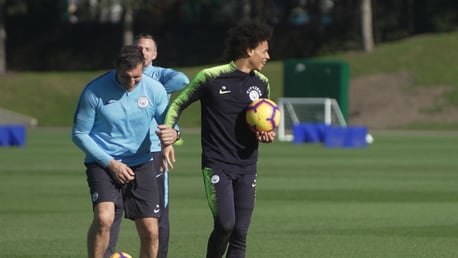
(139, 198)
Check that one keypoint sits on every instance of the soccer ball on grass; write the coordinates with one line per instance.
(263, 115)
(120, 255)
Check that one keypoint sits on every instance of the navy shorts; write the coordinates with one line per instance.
(139, 198)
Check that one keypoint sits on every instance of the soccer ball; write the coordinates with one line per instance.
(263, 115)
(369, 138)
(120, 255)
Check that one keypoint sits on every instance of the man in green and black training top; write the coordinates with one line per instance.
(229, 146)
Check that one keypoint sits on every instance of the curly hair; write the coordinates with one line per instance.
(245, 35)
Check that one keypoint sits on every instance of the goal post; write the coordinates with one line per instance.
(307, 110)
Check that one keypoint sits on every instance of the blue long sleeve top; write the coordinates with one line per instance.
(113, 123)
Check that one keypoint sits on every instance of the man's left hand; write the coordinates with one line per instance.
(167, 134)
(265, 137)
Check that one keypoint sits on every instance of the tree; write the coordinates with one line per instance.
(2, 38)
(128, 27)
(10, 8)
(366, 25)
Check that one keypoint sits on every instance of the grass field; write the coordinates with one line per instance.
(396, 198)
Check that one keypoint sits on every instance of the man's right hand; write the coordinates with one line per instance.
(123, 173)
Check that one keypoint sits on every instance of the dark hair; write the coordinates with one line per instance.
(245, 35)
(129, 57)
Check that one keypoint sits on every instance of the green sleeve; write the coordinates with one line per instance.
(264, 79)
(190, 94)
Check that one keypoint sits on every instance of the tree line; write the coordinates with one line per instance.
(84, 34)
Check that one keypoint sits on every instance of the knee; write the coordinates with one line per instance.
(103, 219)
(148, 231)
(226, 227)
(149, 234)
(240, 232)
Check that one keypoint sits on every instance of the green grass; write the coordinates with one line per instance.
(51, 97)
(428, 58)
(395, 198)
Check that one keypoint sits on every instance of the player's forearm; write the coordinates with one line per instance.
(90, 147)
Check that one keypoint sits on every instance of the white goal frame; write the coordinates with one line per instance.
(331, 115)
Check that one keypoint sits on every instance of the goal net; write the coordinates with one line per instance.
(307, 110)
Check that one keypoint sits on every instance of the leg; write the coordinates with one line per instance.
(148, 232)
(220, 198)
(98, 235)
(106, 198)
(244, 194)
(114, 232)
(141, 204)
(164, 224)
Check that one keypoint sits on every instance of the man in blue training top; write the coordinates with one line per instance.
(173, 81)
(112, 126)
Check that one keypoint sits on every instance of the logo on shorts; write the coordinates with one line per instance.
(215, 179)
(253, 184)
(142, 102)
(95, 196)
(157, 209)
